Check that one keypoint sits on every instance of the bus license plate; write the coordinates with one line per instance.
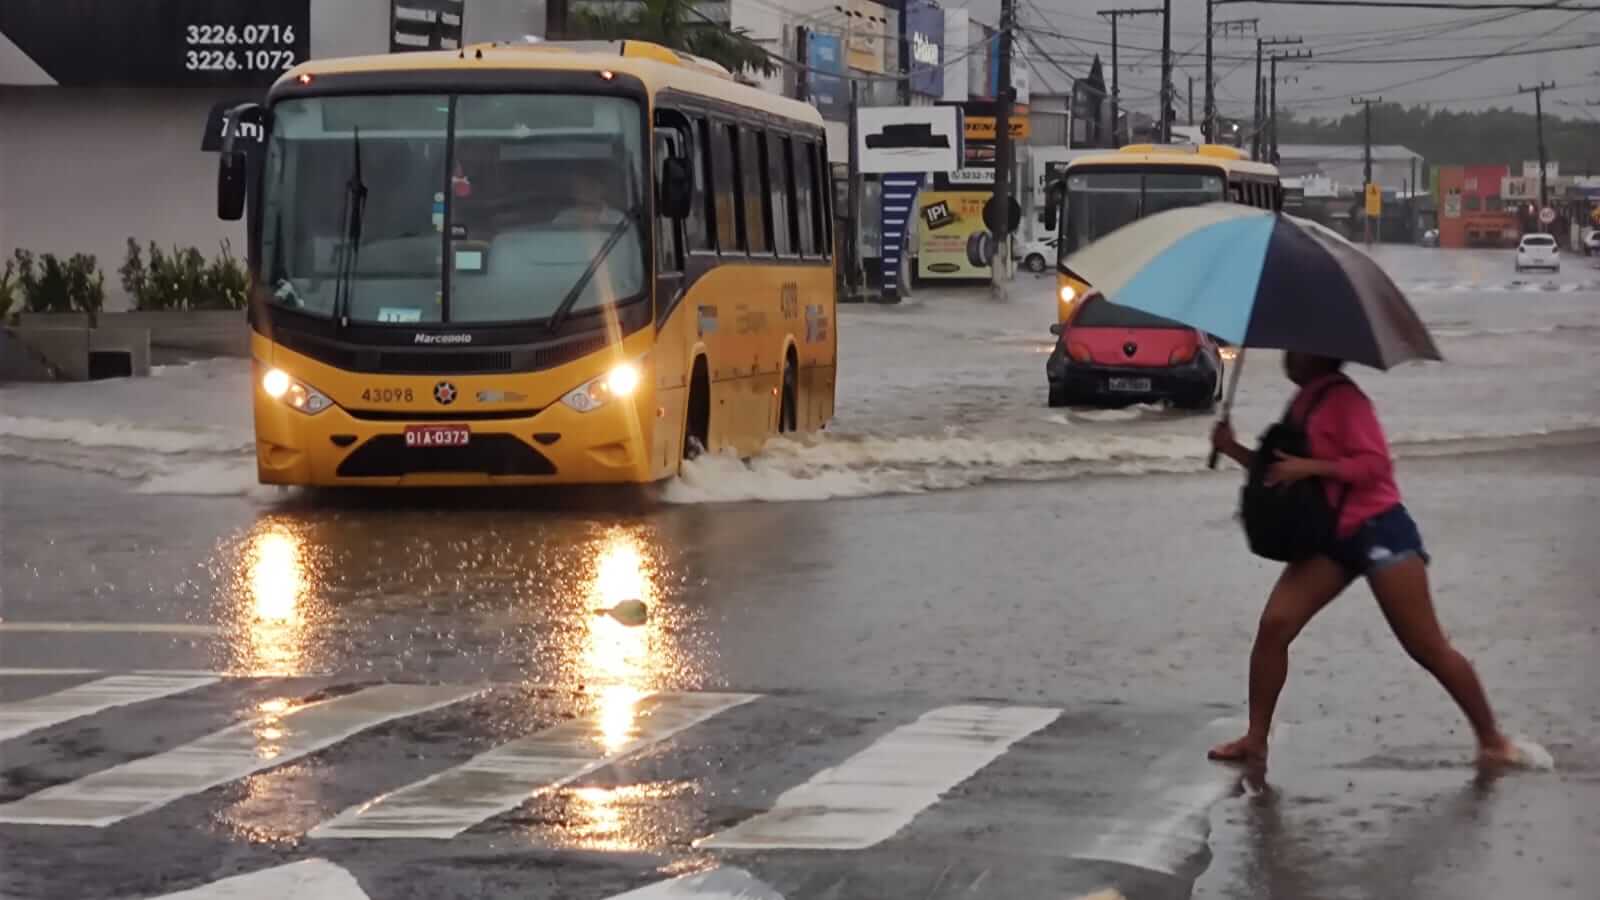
(1131, 385)
(420, 436)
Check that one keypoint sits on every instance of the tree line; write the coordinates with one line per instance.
(1460, 138)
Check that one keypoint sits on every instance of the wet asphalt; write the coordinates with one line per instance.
(1116, 611)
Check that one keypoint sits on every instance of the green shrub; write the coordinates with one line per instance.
(49, 285)
(183, 279)
(8, 290)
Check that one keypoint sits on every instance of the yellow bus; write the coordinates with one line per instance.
(530, 264)
(1099, 193)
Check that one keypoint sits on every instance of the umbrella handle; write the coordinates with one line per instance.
(1227, 402)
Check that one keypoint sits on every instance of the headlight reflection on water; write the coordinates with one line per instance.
(273, 605)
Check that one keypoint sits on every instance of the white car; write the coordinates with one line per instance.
(1039, 254)
(1591, 242)
(1538, 251)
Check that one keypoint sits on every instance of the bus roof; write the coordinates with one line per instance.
(1229, 159)
(659, 68)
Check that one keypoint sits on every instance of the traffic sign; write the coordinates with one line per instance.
(991, 215)
(1374, 199)
(1547, 215)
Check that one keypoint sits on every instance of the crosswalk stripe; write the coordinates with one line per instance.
(875, 793)
(308, 878)
(29, 715)
(725, 883)
(448, 803)
(114, 794)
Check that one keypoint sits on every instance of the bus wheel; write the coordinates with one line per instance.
(789, 411)
(697, 427)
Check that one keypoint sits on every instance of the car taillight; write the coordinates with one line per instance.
(1182, 355)
(1079, 353)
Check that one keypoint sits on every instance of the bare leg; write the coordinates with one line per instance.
(1302, 591)
(1403, 595)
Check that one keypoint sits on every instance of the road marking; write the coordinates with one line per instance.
(110, 628)
(35, 713)
(24, 672)
(140, 786)
(878, 791)
(1168, 830)
(448, 803)
(717, 884)
(308, 878)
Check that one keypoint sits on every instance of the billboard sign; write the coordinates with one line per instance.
(825, 84)
(951, 236)
(909, 138)
(925, 40)
(156, 43)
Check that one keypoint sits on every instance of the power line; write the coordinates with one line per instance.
(1418, 4)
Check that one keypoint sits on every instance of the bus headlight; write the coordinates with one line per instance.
(293, 393)
(620, 383)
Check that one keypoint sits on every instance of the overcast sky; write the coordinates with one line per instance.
(1324, 87)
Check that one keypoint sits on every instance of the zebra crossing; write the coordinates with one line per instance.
(1524, 285)
(770, 783)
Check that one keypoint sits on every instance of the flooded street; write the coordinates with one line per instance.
(958, 645)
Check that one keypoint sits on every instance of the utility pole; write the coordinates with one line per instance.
(998, 264)
(1166, 71)
(1116, 99)
(1367, 102)
(1538, 119)
(1272, 154)
(1191, 99)
(1210, 127)
(1260, 106)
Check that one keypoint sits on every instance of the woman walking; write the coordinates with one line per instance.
(1375, 538)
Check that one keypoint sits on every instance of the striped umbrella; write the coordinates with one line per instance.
(1258, 279)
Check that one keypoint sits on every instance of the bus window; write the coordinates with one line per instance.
(780, 185)
(1236, 192)
(1173, 190)
(806, 199)
(698, 225)
(753, 195)
(725, 189)
(669, 258)
(821, 198)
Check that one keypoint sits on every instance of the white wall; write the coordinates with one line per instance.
(84, 169)
(503, 20)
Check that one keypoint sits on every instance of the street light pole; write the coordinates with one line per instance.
(1367, 102)
(1538, 118)
(1001, 226)
(1166, 71)
(1116, 95)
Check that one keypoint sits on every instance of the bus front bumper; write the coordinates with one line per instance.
(554, 445)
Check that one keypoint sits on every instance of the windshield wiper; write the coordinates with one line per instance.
(571, 299)
(355, 208)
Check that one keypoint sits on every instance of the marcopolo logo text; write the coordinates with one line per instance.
(424, 337)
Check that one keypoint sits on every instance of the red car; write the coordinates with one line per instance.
(1111, 355)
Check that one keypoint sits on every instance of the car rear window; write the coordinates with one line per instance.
(1099, 313)
(1538, 240)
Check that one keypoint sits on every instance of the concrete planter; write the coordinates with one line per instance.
(176, 332)
(79, 353)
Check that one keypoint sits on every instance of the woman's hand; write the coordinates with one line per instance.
(1222, 438)
(1289, 469)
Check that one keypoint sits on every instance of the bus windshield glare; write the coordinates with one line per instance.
(542, 195)
(1101, 201)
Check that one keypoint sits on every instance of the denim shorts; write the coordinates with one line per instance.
(1381, 541)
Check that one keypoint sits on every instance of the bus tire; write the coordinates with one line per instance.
(697, 418)
(789, 407)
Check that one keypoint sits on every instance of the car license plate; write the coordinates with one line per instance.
(421, 436)
(1131, 385)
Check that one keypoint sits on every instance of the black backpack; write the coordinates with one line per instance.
(1289, 522)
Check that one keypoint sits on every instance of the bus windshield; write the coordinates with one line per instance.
(541, 193)
(1100, 201)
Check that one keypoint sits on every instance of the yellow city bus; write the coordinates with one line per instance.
(1102, 192)
(530, 264)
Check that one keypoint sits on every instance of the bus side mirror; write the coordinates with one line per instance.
(1052, 209)
(677, 187)
(230, 185)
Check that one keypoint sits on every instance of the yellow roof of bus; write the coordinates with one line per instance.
(660, 68)
(1229, 159)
